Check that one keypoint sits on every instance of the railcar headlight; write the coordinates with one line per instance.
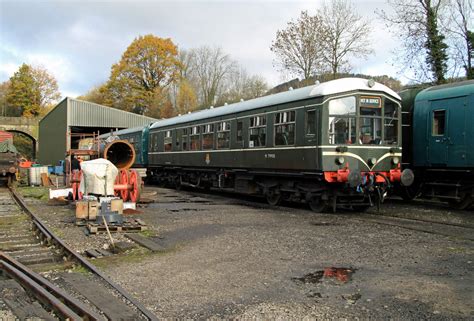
(372, 161)
(395, 160)
(340, 160)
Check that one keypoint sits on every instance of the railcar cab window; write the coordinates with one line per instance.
(168, 141)
(195, 139)
(390, 122)
(257, 131)
(208, 136)
(223, 135)
(342, 121)
(285, 128)
(439, 117)
(370, 120)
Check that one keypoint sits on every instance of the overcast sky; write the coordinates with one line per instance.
(78, 41)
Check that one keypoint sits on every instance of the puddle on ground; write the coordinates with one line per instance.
(341, 274)
(313, 277)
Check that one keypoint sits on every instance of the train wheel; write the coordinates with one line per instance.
(177, 183)
(409, 192)
(316, 204)
(462, 204)
(124, 180)
(360, 208)
(117, 181)
(273, 198)
(135, 181)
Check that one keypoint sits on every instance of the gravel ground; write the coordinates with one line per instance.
(233, 257)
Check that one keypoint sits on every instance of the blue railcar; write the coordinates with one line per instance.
(138, 138)
(442, 146)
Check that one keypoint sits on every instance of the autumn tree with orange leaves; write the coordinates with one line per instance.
(140, 81)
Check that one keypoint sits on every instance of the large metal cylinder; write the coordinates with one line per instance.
(119, 152)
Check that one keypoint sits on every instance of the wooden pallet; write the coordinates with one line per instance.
(129, 226)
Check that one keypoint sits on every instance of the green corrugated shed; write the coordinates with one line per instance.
(53, 128)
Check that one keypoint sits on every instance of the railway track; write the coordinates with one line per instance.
(27, 246)
(450, 229)
(458, 231)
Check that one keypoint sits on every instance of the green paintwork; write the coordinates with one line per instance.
(306, 155)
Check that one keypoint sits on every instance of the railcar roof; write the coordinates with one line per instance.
(446, 91)
(323, 89)
(123, 131)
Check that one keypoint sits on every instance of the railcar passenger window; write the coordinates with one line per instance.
(310, 123)
(208, 136)
(168, 141)
(257, 131)
(195, 141)
(439, 122)
(184, 145)
(240, 132)
(154, 142)
(342, 122)
(285, 128)
(223, 135)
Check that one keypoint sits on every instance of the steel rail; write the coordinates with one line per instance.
(465, 226)
(72, 254)
(71, 302)
(41, 294)
(429, 227)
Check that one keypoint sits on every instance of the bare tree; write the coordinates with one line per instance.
(415, 23)
(459, 27)
(239, 85)
(210, 66)
(298, 47)
(346, 33)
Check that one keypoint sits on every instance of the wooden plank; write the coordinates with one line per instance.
(93, 253)
(145, 242)
(94, 229)
(104, 252)
(20, 303)
(45, 179)
(113, 307)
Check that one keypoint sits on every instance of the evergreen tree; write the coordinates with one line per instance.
(435, 47)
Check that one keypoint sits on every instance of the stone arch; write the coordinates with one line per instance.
(34, 141)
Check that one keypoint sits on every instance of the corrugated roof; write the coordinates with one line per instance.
(87, 114)
(323, 89)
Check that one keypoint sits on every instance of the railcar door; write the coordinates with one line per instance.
(437, 139)
(456, 138)
(448, 124)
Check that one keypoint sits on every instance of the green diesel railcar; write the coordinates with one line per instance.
(335, 143)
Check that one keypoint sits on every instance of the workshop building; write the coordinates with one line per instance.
(61, 128)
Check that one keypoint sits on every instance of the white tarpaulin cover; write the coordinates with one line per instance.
(98, 177)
